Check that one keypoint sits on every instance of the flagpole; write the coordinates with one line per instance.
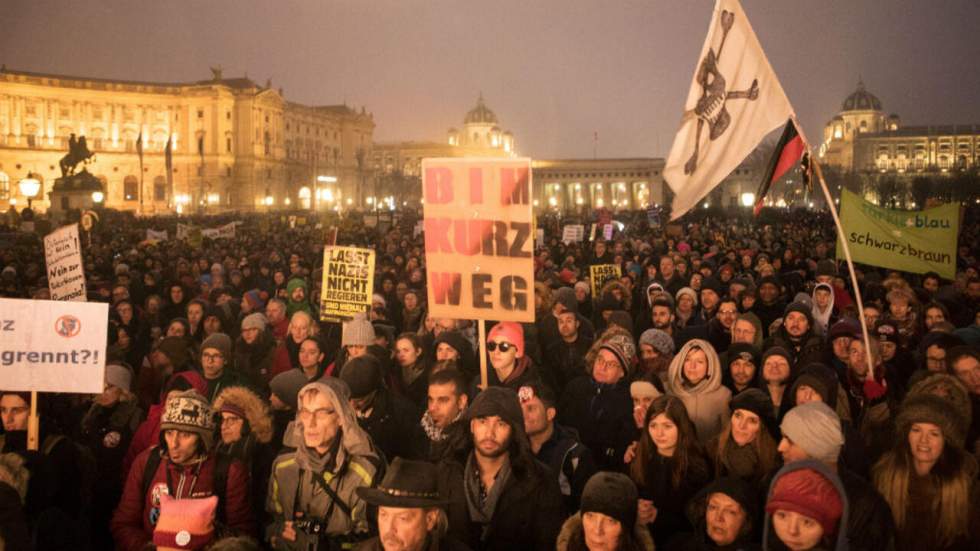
(847, 256)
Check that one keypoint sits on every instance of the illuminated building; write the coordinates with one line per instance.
(236, 145)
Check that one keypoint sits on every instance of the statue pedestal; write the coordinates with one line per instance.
(74, 192)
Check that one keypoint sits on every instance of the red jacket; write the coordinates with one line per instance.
(130, 525)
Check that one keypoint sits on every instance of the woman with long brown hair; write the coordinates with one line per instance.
(746, 447)
(927, 478)
(669, 468)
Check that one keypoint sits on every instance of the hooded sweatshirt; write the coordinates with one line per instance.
(841, 535)
(822, 319)
(706, 401)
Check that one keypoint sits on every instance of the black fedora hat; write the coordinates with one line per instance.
(407, 484)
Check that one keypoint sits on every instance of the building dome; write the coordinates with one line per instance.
(861, 100)
(480, 114)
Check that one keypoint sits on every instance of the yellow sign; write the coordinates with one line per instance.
(348, 282)
(599, 274)
(479, 241)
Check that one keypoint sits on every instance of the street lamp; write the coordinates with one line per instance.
(98, 197)
(748, 199)
(30, 187)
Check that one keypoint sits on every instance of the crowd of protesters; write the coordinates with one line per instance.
(717, 395)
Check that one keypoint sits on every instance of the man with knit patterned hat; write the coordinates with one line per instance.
(598, 404)
(181, 466)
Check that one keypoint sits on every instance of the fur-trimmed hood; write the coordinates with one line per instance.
(256, 411)
(571, 537)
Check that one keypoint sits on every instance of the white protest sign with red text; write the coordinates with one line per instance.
(479, 238)
(52, 346)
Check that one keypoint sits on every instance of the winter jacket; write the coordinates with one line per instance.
(527, 516)
(572, 537)
(393, 426)
(669, 500)
(804, 350)
(707, 401)
(441, 544)
(254, 361)
(570, 461)
(566, 361)
(14, 530)
(132, 523)
(870, 525)
(603, 416)
(292, 490)
(146, 436)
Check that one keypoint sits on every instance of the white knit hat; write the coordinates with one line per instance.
(357, 331)
(119, 375)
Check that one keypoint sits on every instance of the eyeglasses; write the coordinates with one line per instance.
(212, 356)
(321, 415)
(503, 346)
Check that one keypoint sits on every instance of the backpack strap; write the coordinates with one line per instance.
(150, 470)
(50, 441)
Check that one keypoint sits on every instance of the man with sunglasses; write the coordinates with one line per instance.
(511, 367)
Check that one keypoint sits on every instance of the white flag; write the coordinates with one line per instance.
(735, 100)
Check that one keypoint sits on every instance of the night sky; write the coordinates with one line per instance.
(554, 71)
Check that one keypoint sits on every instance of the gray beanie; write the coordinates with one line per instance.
(566, 297)
(219, 342)
(286, 386)
(357, 331)
(254, 321)
(119, 375)
(816, 428)
(659, 340)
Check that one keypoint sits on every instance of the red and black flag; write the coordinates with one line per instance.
(790, 150)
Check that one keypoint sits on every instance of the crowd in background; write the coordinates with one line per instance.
(716, 395)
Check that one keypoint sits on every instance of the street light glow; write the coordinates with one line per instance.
(326, 179)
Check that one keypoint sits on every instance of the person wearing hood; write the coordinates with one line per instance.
(796, 335)
(453, 345)
(724, 518)
(387, 417)
(182, 466)
(598, 404)
(806, 509)
(823, 312)
(695, 377)
(776, 377)
(255, 351)
(500, 497)
(176, 307)
(812, 431)
(297, 297)
(312, 491)
(607, 519)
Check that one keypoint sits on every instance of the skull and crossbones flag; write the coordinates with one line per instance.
(734, 102)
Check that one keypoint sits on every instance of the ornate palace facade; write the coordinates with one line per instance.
(235, 144)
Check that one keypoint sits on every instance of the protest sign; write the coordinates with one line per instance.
(52, 346)
(154, 235)
(573, 233)
(599, 274)
(653, 216)
(607, 231)
(348, 282)
(478, 238)
(221, 232)
(911, 241)
(63, 255)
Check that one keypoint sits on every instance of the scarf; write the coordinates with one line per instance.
(482, 504)
(308, 459)
(434, 433)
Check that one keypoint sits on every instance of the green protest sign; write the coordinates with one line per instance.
(911, 241)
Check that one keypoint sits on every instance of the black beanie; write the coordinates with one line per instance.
(456, 340)
(612, 494)
(743, 351)
(801, 308)
(712, 283)
(362, 374)
(499, 401)
(759, 403)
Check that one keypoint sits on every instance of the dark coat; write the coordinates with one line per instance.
(603, 417)
(527, 516)
(442, 544)
(570, 462)
(394, 426)
(254, 361)
(566, 361)
(870, 525)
